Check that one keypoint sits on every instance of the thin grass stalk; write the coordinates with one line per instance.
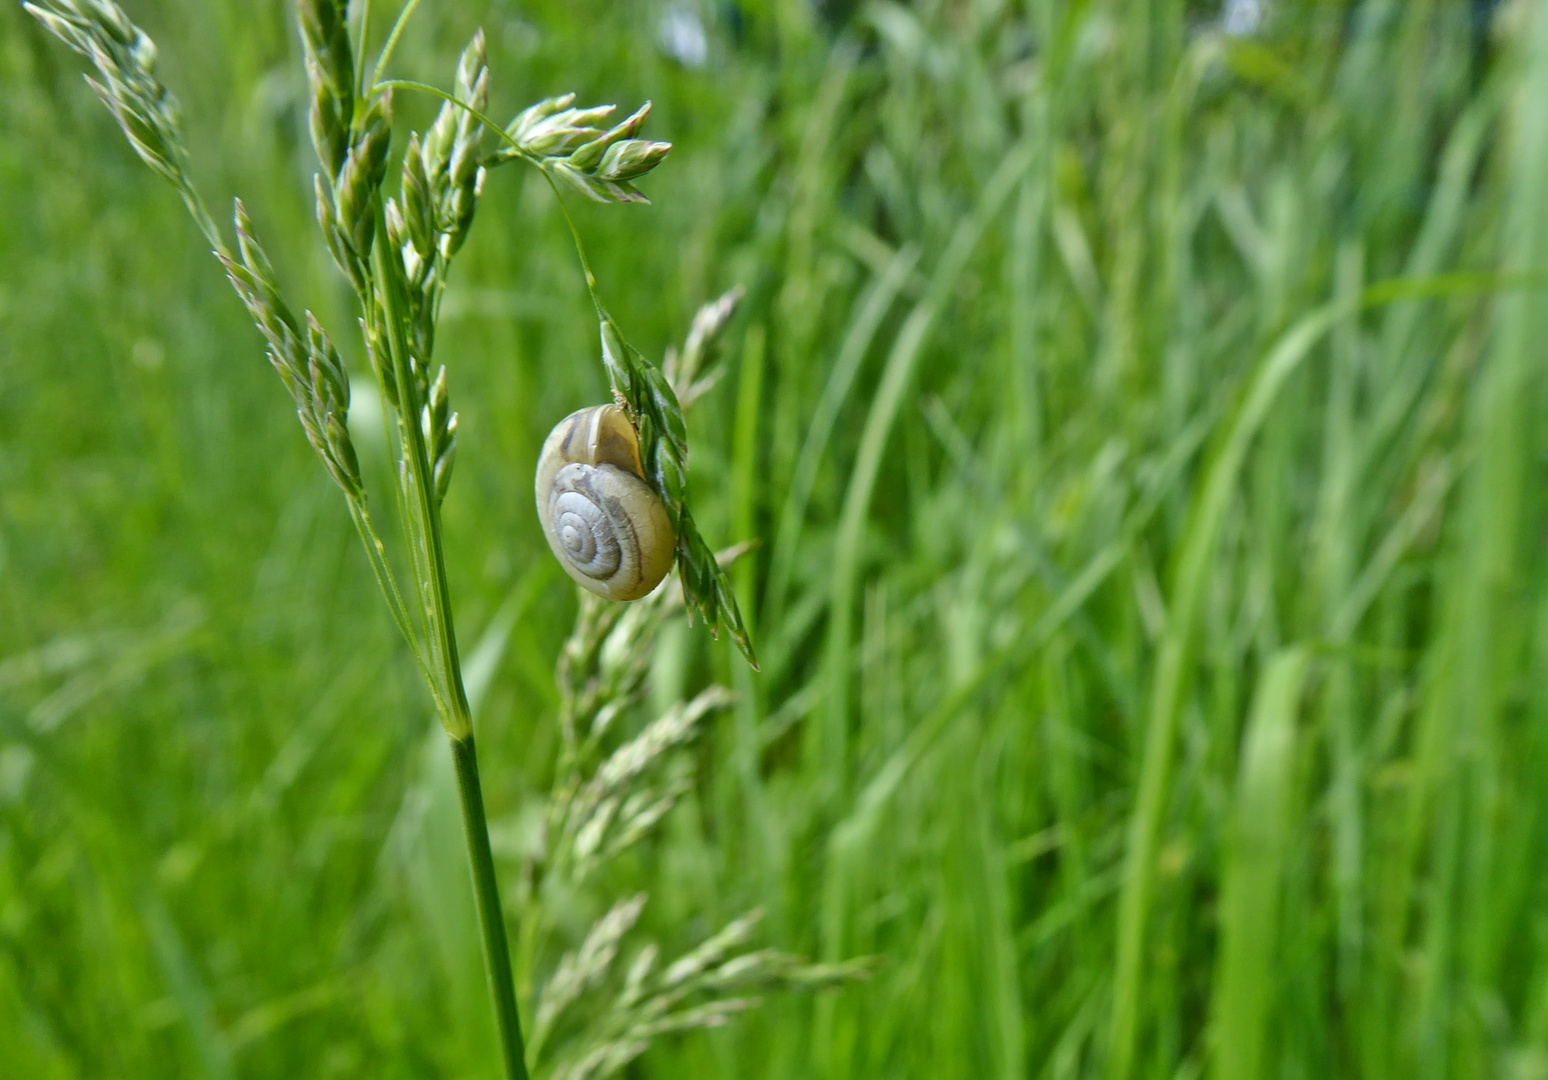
(491, 915)
(456, 716)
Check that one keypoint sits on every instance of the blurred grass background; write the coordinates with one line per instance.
(1151, 597)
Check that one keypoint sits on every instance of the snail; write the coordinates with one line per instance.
(604, 522)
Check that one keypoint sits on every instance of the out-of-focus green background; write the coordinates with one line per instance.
(1155, 652)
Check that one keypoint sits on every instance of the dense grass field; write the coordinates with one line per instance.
(1146, 429)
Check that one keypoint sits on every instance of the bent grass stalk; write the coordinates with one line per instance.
(396, 252)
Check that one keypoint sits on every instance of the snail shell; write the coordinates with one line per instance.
(604, 523)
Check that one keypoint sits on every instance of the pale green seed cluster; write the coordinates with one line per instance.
(611, 996)
(705, 988)
(306, 360)
(125, 59)
(597, 163)
(658, 414)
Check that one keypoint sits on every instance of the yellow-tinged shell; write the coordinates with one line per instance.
(604, 523)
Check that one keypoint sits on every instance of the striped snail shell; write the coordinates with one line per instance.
(604, 523)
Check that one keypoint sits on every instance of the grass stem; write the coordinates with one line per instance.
(424, 520)
(392, 42)
(491, 916)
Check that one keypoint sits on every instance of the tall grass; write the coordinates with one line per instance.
(1145, 430)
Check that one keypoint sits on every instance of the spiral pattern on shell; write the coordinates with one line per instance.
(603, 522)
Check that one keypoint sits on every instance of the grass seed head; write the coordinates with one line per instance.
(330, 71)
(125, 61)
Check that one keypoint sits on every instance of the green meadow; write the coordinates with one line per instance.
(1140, 408)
